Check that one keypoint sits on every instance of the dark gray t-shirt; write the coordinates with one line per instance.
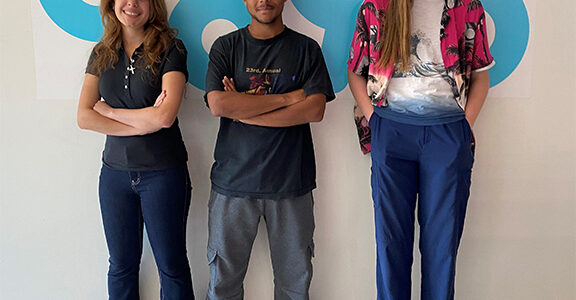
(130, 84)
(256, 161)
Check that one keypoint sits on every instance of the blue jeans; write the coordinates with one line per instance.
(158, 200)
(428, 167)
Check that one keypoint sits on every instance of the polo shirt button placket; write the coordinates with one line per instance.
(126, 78)
(129, 69)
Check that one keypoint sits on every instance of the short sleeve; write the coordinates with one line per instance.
(482, 59)
(218, 67)
(176, 59)
(359, 56)
(317, 80)
(90, 65)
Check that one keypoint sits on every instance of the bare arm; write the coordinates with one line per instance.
(234, 105)
(358, 87)
(479, 85)
(89, 119)
(153, 118)
(309, 110)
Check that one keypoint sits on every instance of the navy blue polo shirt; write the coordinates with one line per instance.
(131, 84)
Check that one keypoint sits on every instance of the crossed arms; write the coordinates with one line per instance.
(98, 116)
(277, 110)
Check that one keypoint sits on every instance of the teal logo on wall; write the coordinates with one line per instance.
(76, 17)
(511, 39)
(337, 18)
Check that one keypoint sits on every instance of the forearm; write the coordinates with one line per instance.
(148, 119)
(235, 105)
(479, 85)
(357, 85)
(310, 110)
(89, 119)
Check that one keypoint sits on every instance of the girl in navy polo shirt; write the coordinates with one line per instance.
(139, 71)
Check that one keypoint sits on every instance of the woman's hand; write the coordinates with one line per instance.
(103, 108)
(106, 110)
(160, 98)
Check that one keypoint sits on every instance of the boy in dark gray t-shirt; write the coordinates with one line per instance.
(266, 82)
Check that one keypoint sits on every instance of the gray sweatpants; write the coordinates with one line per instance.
(233, 224)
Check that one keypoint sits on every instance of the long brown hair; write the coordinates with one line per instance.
(395, 38)
(158, 36)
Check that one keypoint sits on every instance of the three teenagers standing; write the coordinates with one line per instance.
(418, 72)
(139, 69)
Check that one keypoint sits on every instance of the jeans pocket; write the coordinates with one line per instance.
(373, 118)
(212, 256)
(469, 136)
(212, 199)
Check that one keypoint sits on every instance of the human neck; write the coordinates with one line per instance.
(266, 31)
(132, 39)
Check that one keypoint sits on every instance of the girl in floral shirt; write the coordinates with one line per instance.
(418, 70)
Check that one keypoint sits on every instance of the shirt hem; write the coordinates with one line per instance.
(493, 63)
(411, 120)
(144, 169)
(260, 195)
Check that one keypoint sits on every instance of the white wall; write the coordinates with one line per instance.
(519, 240)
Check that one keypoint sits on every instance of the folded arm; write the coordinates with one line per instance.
(234, 105)
(153, 118)
(90, 119)
(309, 110)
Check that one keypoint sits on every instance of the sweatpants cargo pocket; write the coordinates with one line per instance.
(211, 255)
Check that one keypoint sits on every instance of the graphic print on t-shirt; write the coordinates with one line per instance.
(423, 94)
(421, 64)
(269, 81)
(260, 84)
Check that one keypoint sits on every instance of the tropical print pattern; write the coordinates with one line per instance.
(463, 43)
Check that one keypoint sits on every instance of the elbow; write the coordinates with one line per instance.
(215, 110)
(317, 114)
(318, 117)
(81, 124)
(214, 104)
(318, 108)
(82, 121)
(166, 122)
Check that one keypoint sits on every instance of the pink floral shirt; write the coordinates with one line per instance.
(463, 43)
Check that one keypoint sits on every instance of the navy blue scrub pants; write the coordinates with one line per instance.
(432, 164)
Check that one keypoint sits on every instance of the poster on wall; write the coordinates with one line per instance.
(66, 30)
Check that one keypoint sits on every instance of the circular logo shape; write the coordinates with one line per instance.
(512, 27)
(78, 18)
